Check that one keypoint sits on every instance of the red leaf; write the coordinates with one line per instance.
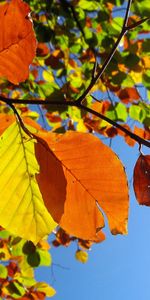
(141, 179)
(17, 41)
(42, 50)
(128, 95)
(12, 269)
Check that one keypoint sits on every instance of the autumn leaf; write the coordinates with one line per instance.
(22, 210)
(129, 94)
(45, 288)
(141, 180)
(6, 120)
(51, 179)
(17, 41)
(94, 177)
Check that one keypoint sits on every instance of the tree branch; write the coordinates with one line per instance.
(125, 29)
(11, 101)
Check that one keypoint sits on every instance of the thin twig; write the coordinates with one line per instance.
(135, 137)
(132, 26)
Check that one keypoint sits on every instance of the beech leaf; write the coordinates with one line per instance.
(22, 210)
(94, 177)
(17, 41)
(141, 180)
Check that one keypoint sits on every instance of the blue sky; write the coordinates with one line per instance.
(119, 268)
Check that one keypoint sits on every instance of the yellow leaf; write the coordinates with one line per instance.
(45, 288)
(81, 256)
(136, 76)
(47, 76)
(81, 127)
(22, 210)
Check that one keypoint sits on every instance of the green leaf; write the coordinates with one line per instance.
(28, 248)
(33, 259)
(131, 60)
(117, 112)
(3, 272)
(118, 78)
(117, 24)
(16, 250)
(145, 47)
(15, 289)
(22, 210)
(26, 281)
(4, 234)
(88, 5)
(137, 113)
(45, 257)
(26, 270)
(121, 111)
(146, 79)
(43, 32)
(141, 8)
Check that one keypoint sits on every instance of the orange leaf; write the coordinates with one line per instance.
(92, 173)
(17, 41)
(141, 179)
(6, 120)
(143, 133)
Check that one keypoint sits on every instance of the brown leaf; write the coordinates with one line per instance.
(51, 179)
(141, 180)
(93, 173)
(17, 41)
(129, 94)
(42, 49)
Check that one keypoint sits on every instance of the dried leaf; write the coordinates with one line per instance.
(141, 180)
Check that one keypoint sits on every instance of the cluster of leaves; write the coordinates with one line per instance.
(44, 169)
(19, 258)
